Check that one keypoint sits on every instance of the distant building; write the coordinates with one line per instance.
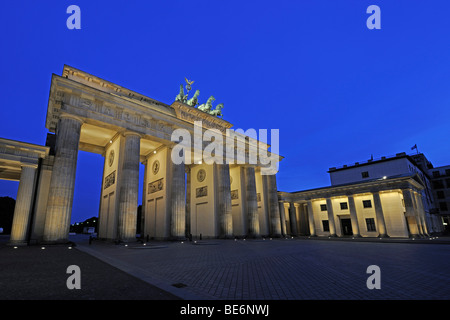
(440, 178)
(391, 196)
(89, 230)
(401, 163)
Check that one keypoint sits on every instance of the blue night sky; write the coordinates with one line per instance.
(337, 91)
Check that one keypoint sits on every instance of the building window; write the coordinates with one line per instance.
(447, 181)
(440, 195)
(438, 184)
(365, 174)
(344, 205)
(436, 174)
(325, 225)
(367, 204)
(447, 172)
(323, 207)
(443, 206)
(370, 222)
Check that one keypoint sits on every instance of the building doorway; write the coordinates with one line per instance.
(346, 227)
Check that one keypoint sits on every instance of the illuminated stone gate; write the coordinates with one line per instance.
(199, 199)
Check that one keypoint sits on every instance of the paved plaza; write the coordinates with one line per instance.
(283, 269)
(278, 269)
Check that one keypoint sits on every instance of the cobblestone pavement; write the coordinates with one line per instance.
(284, 269)
(33, 273)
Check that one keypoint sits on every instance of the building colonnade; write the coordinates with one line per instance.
(380, 212)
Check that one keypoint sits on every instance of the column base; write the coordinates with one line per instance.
(55, 242)
(253, 236)
(226, 237)
(17, 243)
(276, 236)
(178, 238)
(127, 240)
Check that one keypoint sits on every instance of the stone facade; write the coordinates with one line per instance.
(179, 200)
(386, 207)
(23, 162)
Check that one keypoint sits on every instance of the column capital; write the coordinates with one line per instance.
(70, 116)
(131, 133)
(28, 165)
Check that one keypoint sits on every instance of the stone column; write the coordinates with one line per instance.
(293, 219)
(353, 216)
(282, 218)
(22, 210)
(129, 187)
(410, 210)
(178, 202)
(62, 183)
(416, 213)
(287, 218)
(312, 227)
(144, 200)
(331, 222)
(224, 201)
(251, 201)
(381, 224)
(298, 217)
(188, 200)
(274, 211)
(421, 213)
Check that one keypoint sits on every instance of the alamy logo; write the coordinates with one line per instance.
(374, 281)
(235, 147)
(74, 20)
(374, 21)
(73, 281)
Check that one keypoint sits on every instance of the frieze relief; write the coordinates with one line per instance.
(201, 192)
(208, 124)
(110, 180)
(112, 111)
(191, 114)
(156, 186)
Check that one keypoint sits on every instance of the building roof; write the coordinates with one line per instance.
(362, 186)
(382, 159)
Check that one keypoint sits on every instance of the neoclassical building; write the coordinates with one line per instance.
(202, 198)
(390, 206)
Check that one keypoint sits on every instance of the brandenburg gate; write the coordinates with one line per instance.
(199, 198)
